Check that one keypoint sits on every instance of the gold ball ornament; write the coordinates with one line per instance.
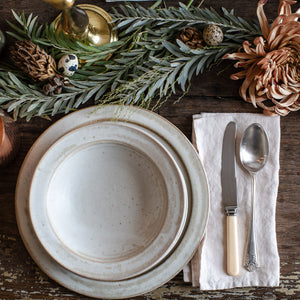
(213, 35)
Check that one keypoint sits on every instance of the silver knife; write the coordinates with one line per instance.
(229, 195)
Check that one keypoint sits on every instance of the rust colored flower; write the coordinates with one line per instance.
(272, 65)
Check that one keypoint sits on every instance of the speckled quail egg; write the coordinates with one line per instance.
(68, 64)
(213, 35)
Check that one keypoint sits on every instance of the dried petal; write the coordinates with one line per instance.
(285, 7)
(264, 24)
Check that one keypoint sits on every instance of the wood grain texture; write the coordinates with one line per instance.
(20, 278)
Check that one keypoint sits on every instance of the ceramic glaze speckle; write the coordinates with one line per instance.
(92, 216)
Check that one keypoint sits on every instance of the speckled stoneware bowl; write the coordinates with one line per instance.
(107, 202)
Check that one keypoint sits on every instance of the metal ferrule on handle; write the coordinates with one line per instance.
(231, 210)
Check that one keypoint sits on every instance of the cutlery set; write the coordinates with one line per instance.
(253, 153)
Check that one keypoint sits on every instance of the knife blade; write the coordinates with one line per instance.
(229, 195)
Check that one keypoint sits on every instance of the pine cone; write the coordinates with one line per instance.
(33, 61)
(192, 37)
(54, 86)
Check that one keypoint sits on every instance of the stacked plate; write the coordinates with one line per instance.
(112, 203)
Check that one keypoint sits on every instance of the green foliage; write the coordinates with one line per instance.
(147, 62)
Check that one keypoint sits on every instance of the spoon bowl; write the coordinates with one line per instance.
(254, 149)
(254, 152)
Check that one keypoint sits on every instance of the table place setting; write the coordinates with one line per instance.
(208, 268)
(111, 199)
(73, 226)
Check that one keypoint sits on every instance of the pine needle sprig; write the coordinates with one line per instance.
(148, 62)
(166, 20)
(26, 28)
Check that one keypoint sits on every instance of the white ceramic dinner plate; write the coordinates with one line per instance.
(108, 202)
(186, 157)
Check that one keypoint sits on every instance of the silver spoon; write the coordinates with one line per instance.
(254, 151)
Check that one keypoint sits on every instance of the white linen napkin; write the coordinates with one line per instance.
(207, 269)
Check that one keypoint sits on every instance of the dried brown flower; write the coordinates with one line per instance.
(272, 65)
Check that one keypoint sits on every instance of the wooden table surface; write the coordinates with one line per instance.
(20, 277)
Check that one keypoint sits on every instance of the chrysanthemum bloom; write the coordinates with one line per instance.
(272, 68)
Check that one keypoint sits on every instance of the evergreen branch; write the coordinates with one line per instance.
(146, 63)
(165, 19)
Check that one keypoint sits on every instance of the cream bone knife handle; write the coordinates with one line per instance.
(233, 268)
